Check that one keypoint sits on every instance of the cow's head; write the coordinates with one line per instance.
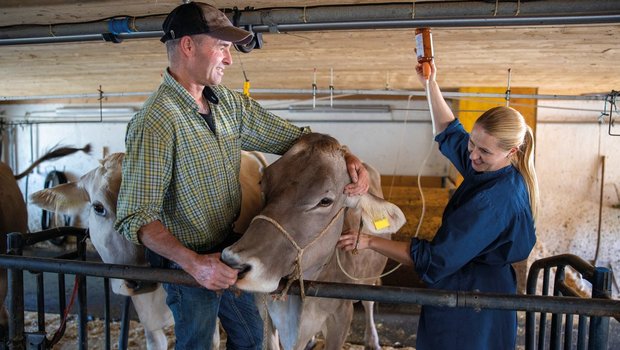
(304, 203)
(96, 193)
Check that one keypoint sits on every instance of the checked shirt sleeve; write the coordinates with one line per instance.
(147, 170)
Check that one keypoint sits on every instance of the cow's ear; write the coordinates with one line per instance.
(379, 215)
(66, 199)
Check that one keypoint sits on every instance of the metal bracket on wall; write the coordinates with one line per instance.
(611, 99)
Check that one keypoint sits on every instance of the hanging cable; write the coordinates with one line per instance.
(331, 87)
(425, 55)
(611, 99)
(314, 88)
(246, 81)
(508, 89)
(100, 104)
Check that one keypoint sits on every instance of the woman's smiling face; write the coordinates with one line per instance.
(484, 151)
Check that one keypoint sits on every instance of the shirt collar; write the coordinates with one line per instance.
(208, 92)
(486, 175)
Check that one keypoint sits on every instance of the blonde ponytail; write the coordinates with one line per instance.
(525, 165)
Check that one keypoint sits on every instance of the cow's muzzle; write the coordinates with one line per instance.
(229, 259)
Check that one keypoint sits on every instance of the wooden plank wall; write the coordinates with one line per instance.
(404, 192)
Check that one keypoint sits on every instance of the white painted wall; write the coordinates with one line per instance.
(568, 164)
(569, 146)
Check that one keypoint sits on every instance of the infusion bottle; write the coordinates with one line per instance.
(424, 49)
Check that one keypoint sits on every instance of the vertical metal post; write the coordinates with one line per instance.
(40, 301)
(62, 294)
(106, 312)
(599, 326)
(555, 336)
(15, 297)
(82, 308)
(124, 334)
(568, 332)
(543, 316)
(581, 333)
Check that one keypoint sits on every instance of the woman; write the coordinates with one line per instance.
(487, 225)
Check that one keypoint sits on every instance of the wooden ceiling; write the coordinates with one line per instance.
(579, 59)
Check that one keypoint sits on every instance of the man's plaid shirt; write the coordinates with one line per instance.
(178, 171)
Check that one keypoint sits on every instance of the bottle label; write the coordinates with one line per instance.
(419, 46)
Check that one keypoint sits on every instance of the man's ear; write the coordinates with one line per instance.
(187, 45)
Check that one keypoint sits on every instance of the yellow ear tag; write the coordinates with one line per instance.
(380, 224)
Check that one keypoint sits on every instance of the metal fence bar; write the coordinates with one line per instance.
(16, 242)
(599, 310)
(599, 326)
(555, 341)
(600, 278)
(82, 302)
(106, 313)
(387, 294)
(581, 333)
(40, 302)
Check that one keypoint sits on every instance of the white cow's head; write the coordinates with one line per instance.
(96, 193)
(304, 203)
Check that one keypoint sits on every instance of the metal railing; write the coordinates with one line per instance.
(597, 309)
(596, 338)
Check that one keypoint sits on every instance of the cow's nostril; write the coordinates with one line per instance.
(243, 269)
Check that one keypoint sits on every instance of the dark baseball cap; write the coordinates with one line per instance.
(200, 18)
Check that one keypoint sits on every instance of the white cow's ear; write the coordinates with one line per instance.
(379, 215)
(66, 199)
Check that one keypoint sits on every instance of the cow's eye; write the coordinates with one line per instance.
(326, 202)
(99, 209)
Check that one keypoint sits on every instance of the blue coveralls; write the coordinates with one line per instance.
(486, 226)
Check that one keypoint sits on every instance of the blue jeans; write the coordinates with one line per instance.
(195, 310)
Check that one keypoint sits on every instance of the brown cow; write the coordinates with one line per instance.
(13, 212)
(304, 214)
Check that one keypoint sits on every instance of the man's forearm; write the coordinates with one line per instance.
(158, 238)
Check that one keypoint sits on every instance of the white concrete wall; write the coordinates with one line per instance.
(568, 165)
(569, 147)
(394, 142)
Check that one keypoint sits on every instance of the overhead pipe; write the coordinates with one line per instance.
(339, 17)
(447, 94)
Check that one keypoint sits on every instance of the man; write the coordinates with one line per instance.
(180, 192)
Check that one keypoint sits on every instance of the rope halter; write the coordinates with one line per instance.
(297, 273)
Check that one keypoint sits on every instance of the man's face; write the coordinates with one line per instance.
(211, 58)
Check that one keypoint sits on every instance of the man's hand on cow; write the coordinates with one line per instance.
(351, 240)
(359, 176)
(211, 272)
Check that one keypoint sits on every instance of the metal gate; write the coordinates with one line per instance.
(562, 305)
(597, 335)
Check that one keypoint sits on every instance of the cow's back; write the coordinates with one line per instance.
(252, 164)
(13, 218)
(13, 214)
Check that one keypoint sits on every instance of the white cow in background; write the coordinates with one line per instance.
(96, 192)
